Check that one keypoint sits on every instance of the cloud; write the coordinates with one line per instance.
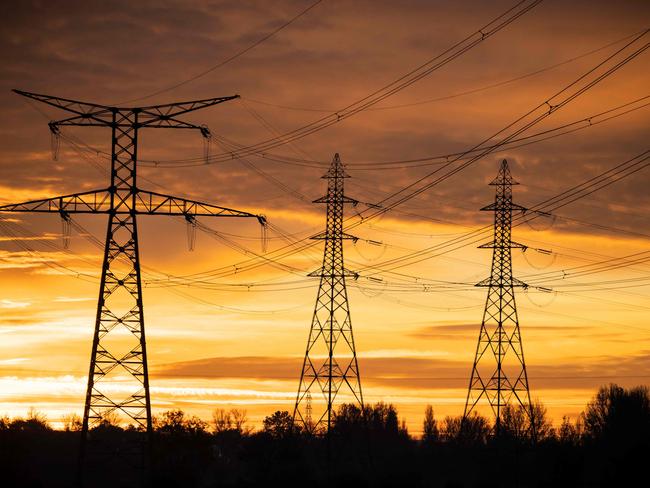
(463, 331)
(49, 57)
(73, 299)
(12, 361)
(446, 331)
(23, 259)
(5, 303)
(232, 367)
(421, 373)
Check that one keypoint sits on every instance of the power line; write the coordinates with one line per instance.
(552, 107)
(571, 191)
(588, 187)
(459, 94)
(547, 107)
(433, 64)
(227, 60)
(515, 143)
(583, 123)
(602, 180)
(456, 243)
(556, 106)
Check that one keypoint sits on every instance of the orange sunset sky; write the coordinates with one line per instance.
(236, 338)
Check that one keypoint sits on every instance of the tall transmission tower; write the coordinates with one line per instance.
(119, 346)
(494, 379)
(330, 363)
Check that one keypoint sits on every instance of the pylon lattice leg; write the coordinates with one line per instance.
(119, 352)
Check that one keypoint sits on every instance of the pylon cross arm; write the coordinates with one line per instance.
(323, 272)
(498, 244)
(344, 236)
(336, 199)
(83, 109)
(500, 206)
(180, 108)
(163, 122)
(96, 201)
(98, 118)
(152, 203)
(146, 202)
(93, 114)
(102, 118)
(494, 282)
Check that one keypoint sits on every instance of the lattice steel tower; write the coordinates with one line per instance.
(494, 379)
(330, 363)
(119, 350)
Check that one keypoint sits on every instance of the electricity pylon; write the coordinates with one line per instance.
(330, 362)
(120, 310)
(493, 378)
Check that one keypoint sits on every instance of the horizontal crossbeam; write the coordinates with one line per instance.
(97, 201)
(504, 282)
(97, 120)
(504, 206)
(324, 273)
(340, 199)
(93, 114)
(145, 202)
(501, 245)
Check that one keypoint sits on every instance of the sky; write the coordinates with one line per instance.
(236, 340)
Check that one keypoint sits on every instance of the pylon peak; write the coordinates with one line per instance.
(336, 169)
(504, 177)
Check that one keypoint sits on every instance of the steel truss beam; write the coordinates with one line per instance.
(146, 203)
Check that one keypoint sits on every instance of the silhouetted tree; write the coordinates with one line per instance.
(450, 429)
(176, 422)
(348, 419)
(519, 422)
(72, 422)
(221, 420)
(515, 422)
(429, 426)
(618, 415)
(570, 433)
(617, 427)
(382, 417)
(35, 421)
(473, 429)
(403, 429)
(230, 420)
(280, 425)
(541, 422)
(239, 420)
(110, 422)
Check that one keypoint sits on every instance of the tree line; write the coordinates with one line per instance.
(606, 445)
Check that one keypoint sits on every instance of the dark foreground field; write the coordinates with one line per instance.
(609, 445)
